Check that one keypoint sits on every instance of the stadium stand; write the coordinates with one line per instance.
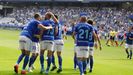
(104, 15)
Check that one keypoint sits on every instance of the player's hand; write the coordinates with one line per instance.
(50, 27)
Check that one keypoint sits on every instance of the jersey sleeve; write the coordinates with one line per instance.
(37, 22)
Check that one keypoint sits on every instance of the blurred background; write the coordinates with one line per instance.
(15, 14)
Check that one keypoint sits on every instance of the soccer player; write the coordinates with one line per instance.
(47, 40)
(58, 46)
(112, 37)
(25, 41)
(35, 50)
(64, 32)
(129, 42)
(92, 43)
(82, 31)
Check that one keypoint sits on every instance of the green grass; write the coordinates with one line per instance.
(109, 61)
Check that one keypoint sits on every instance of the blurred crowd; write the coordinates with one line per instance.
(105, 18)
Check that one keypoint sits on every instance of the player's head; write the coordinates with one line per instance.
(56, 17)
(37, 16)
(83, 19)
(48, 16)
(90, 22)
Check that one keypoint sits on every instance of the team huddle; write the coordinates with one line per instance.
(45, 34)
(48, 34)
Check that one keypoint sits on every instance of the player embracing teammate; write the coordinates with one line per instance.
(47, 41)
(28, 41)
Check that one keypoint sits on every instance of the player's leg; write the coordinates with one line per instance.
(26, 59)
(59, 61)
(22, 48)
(20, 57)
(91, 58)
(50, 47)
(59, 48)
(130, 53)
(88, 63)
(75, 60)
(49, 60)
(53, 57)
(43, 48)
(34, 61)
(16, 66)
(53, 62)
(80, 55)
(84, 62)
(130, 47)
(126, 49)
(28, 48)
(42, 60)
(35, 52)
(87, 58)
(32, 58)
(80, 65)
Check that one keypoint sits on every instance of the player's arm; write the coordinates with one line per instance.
(99, 42)
(96, 38)
(54, 18)
(44, 27)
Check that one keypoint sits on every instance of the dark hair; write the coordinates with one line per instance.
(36, 16)
(90, 22)
(49, 15)
(56, 16)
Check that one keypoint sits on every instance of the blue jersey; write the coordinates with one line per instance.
(48, 34)
(82, 34)
(129, 35)
(58, 36)
(91, 40)
(30, 30)
(36, 39)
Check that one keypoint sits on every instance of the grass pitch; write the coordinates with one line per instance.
(109, 61)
